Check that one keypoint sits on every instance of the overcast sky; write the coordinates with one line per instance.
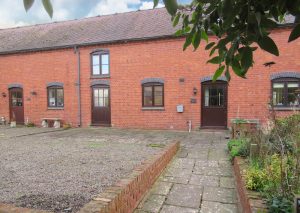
(12, 12)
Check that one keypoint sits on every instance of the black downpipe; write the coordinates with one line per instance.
(78, 85)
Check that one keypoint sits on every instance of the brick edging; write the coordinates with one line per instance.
(242, 195)
(126, 194)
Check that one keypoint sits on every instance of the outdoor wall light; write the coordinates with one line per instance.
(195, 91)
(3, 94)
(33, 93)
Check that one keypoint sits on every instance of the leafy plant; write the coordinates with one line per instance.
(30, 124)
(256, 178)
(240, 26)
(238, 147)
(280, 204)
(46, 3)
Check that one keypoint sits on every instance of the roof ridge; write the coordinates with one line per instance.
(79, 19)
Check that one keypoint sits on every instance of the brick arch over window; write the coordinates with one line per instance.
(15, 85)
(55, 84)
(100, 82)
(210, 78)
(152, 80)
(287, 74)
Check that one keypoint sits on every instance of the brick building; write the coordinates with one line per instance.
(128, 70)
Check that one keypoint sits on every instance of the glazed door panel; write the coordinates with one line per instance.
(16, 104)
(101, 114)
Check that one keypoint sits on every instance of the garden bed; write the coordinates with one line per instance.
(268, 174)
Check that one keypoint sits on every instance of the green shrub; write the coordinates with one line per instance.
(256, 178)
(279, 204)
(238, 147)
(30, 124)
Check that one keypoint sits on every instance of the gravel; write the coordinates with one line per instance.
(61, 171)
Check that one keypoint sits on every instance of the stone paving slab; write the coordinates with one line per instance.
(219, 194)
(203, 180)
(153, 203)
(161, 188)
(177, 209)
(185, 195)
(213, 207)
(199, 179)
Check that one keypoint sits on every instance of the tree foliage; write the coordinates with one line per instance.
(241, 26)
(46, 3)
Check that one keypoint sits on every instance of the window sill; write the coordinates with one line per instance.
(99, 76)
(56, 108)
(286, 108)
(153, 109)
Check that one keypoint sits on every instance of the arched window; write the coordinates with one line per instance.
(55, 93)
(153, 94)
(100, 63)
(286, 92)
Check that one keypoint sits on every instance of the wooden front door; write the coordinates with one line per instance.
(214, 104)
(16, 105)
(101, 106)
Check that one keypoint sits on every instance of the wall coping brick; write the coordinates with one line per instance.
(57, 84)
(15, 85)
(100, 82)
(286, 74)
(210, 78)
(152, 80)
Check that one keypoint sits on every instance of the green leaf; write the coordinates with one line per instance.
(210, 45)
(176, 20)
(215, 60)
(188, 41)
(295, 33)
(155, 3)
(178, 33)
(28, 4)
(236, 67)
(267, 44)
(48, 7)
(227, 74)
(196, 39)
(204, 35)
(171, 6)
(218, 73)
(247, 58)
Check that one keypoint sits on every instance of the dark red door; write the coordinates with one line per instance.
(16, 104)
(214, 104)
(101, 106)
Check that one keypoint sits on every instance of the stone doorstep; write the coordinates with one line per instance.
(250, 201)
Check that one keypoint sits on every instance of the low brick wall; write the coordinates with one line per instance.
(249, 201)
(128, 192)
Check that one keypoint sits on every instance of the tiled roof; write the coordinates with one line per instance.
(136, 25)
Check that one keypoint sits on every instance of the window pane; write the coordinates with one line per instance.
(148, 96)
(104, 59)
(292, 98)
(105, 93)
(60, 97)
(96, 102)
(158, 95)
(52, 100)
(278, 85)
(206, 94)
(105, 69)
(96, 60)
(106, 102)
(96, 70)
(278, 96)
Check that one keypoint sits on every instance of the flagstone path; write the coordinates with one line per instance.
(199, 179)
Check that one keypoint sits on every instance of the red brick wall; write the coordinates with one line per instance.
(131, 63)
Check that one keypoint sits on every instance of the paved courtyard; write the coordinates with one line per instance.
(199, 179)
(61, 171)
